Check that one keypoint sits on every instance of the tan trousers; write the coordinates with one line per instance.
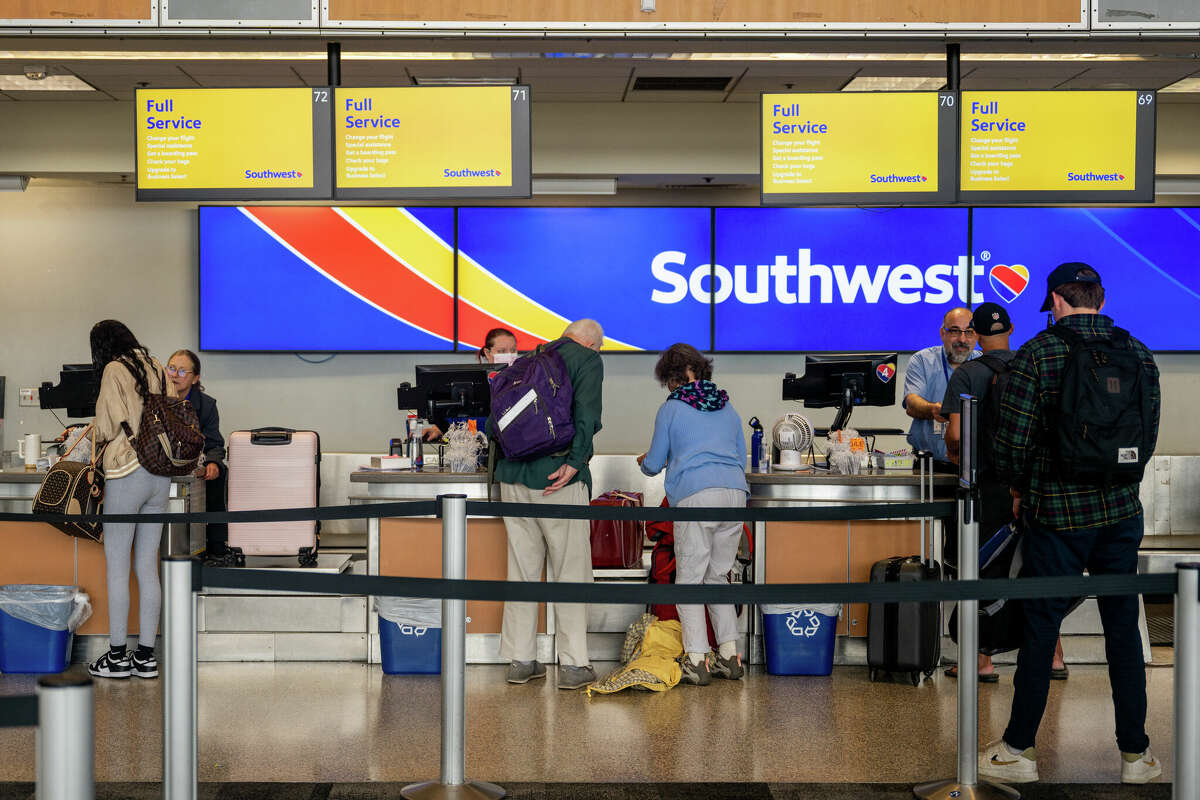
(564, 547)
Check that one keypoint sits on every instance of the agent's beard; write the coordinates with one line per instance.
(958, 356)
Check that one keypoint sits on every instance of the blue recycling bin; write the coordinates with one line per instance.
(800, 642)
(409, 649)
(36, 624)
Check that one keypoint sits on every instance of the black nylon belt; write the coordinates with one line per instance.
(19, 711)
(644, 593)
(424, 508)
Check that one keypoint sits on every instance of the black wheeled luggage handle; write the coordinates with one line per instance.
(269, 436)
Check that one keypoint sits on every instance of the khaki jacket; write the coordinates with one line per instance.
(119, 402)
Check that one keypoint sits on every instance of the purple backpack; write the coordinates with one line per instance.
(531, 405)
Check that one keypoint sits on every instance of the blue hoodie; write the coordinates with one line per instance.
(698, 438)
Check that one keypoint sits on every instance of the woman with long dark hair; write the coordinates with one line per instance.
(128, 375)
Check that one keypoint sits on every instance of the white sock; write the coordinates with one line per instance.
(728, 649)
(695, 658)
(1012, 749)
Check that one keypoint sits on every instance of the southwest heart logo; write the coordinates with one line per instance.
(924, 179)
(886, 372)
(1008, 281)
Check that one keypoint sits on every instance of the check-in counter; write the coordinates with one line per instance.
(36, 552)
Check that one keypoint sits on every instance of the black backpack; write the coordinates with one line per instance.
(989, 413)
(1106, 422)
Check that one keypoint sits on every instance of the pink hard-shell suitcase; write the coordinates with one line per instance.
(274, 468)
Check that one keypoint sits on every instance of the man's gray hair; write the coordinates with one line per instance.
(587, 330)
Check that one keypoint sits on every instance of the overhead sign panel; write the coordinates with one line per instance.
(432, 141)
(230, 144)
(868, 147)
(1065, 146)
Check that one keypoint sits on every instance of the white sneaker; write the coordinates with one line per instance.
(997, 761)
(1139, 767)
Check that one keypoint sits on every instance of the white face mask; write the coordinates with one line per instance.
(504, 358)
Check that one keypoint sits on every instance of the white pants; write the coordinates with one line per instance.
(704, 553)
(564, 547)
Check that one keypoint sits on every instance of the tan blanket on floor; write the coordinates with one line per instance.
(649, 658)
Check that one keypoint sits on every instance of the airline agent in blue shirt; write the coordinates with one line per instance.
(925, 381)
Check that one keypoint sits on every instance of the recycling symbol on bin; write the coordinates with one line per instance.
(804, 622)
(412, 630)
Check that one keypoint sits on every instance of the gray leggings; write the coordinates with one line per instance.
(137, 493)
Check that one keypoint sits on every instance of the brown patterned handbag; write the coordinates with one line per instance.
(74, 488)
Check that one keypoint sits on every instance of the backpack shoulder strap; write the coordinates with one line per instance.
(994, 363)
(1121, 338)
(1070, 337)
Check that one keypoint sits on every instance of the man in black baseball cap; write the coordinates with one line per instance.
(990, 319)
(1071, 272)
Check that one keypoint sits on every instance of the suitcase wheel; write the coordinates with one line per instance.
(873, 674)
(239, 558)
(307, 557)
(915, 677)
(928, 673)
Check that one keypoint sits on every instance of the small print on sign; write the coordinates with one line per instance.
(1127, 455)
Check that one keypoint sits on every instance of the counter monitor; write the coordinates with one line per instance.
(845, 381)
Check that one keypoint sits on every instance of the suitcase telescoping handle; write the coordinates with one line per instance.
(925, 491)
(271, 435)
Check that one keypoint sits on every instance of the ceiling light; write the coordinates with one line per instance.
(35, 72)
(51, 83)
(420, 81)
(574, 185)
(1185, 85)
(884, 84)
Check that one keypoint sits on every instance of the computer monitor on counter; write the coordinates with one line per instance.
(449, 390)
(844, 381)
(78, 387)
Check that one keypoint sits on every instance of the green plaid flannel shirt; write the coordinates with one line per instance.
(1021, 450)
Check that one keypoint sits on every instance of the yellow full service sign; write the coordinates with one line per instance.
(1047, 141)
(225, 139)
(423, 137)
(849, 143)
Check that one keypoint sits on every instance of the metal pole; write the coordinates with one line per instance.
(967, 785)
(453, 783)
(179, 679)
(333, 63)
(1187, 682)
(65, 750)
(952, 69)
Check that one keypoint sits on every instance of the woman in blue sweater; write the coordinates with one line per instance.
(698, 438)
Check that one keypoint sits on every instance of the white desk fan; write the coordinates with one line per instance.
(792, 437)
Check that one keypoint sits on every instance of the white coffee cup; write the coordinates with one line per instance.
(790, 459)
(30, 449)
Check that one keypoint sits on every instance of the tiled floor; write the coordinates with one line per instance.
(345, 723)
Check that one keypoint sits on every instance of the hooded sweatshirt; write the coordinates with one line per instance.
(698, 438)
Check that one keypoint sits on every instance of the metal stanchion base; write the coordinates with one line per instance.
(471, 790)
(953, 790)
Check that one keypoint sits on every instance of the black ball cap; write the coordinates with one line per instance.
(991, 319)
(1069, 272)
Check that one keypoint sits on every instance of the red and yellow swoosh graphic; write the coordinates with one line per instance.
(387, 258)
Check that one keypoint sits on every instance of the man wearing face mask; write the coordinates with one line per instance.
(925, 382)
(499, 347)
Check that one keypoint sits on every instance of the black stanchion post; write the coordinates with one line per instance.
(179, 678)
(453, 784)
(65, 749)
(967, 786)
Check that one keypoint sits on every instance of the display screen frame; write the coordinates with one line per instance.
(522, 158)
(322, 156)
(947, 161)
(1145, 143)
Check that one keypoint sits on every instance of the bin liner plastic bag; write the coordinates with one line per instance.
(416, 611)
(55, 608)
(800, 618)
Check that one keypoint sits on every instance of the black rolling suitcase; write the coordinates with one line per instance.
(907, 637)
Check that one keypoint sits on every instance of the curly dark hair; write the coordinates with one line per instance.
(675, 361)
(112, 341)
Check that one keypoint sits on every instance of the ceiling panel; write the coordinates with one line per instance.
(217, 74)
(674, 97)
(464, 69)
(577, 97)
(22, 97)
(1130, 75)
(585, 85)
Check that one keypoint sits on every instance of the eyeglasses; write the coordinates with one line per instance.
(954, 333)
(180, 371)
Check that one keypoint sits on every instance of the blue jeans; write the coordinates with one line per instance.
(1110, 550)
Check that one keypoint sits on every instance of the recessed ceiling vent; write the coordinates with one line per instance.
(680, 83)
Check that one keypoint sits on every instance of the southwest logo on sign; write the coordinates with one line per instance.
(886, 372)
(1008, 281)
(1102, 177)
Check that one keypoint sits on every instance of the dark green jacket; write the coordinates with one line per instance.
(586, 370)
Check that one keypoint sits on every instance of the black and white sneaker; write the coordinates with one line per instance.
(111, 665)
(144, 667)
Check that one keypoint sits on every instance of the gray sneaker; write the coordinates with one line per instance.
(575, 677)
(728, 668)
(525, 671)
(695, 674)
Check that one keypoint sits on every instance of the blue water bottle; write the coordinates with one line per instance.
(755, 444)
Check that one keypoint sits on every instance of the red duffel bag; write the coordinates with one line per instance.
(617, 543)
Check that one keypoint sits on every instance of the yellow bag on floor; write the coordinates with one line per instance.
(651, 658)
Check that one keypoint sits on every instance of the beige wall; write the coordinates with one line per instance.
(74, 254)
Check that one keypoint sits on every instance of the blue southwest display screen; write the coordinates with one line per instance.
(308, 278)
(1146, 258)
(824, 279)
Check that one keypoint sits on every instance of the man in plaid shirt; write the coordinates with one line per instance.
(1070, 527)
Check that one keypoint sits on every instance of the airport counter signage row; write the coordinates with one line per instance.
(362, 279)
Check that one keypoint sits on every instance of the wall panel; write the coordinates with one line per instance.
(80, 12)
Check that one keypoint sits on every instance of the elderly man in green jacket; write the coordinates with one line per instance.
(563, 546)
